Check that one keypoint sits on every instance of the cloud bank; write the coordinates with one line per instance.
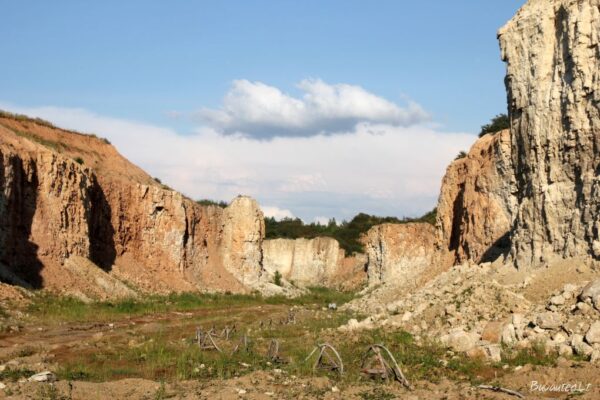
(375, 157)
(262, 111)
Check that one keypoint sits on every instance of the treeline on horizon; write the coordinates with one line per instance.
(347, 233)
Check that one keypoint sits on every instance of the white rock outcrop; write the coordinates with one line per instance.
(313, 262)
(553, 82)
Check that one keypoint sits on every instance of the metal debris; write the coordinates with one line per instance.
(326, 360)
(378, 362)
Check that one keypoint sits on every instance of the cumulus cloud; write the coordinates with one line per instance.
(262, 111)
(396, 171)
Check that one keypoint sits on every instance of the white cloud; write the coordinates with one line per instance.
(396, 171)
(276, 212)
(263, 111)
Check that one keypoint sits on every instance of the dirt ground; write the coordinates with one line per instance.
(39, 346)
(275, 385)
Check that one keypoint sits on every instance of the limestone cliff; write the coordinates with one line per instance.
(552, 51)
(399, 253)
(314, 262)
(67, 197)
(477, 202)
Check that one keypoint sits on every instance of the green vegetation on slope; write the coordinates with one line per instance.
(346, 233)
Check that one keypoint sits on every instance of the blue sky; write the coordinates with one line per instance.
(292, 70)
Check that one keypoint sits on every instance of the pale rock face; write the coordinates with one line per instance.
(243, 233)
(399, 252)
(553, 82)
(313, 262)
(476, 206)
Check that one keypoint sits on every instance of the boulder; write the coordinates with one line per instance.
(590, 291)
(593, 334)
(549, 320)
(459, 340)
(580, 347)
(492, 332)
(509, 336)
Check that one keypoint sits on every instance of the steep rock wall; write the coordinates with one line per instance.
(314, 262)
(67, 196)
(552, 51)
(398, 253)
(477, 201)
(44, 212)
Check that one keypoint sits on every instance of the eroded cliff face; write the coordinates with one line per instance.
(314, 262)
(552, 51)
(477, 201)
(69, 201)
(398, 253)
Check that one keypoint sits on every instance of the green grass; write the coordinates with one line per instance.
(48, 307)
(57, 146)
(534, 355)
(169, 353)
(14, 374)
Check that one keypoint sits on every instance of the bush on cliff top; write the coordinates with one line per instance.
(209, 202)
(347, 233)
(497, 124)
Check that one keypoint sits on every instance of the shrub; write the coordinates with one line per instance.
(208, 202)
(498, 123)
(460, 155)
(277, 278)
(79, 160)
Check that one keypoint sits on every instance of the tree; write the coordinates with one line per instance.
(498, 123)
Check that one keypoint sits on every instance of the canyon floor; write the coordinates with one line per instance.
(146, 349)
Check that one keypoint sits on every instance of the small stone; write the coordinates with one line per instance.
(590, 290)
(459, 340)
(335, 389)
(2, 386)
(494, 352)
(565, 350)
(593, 334)
(595, 357)
(509, 336)
(549, 320)
(45, 376)
(580, 347)
(241, 391)
(569, 288)
(584, 308)
(559, 337)
(517, 319)
(407, 316)
(450, 309)
(557, 300)
(492, 332)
